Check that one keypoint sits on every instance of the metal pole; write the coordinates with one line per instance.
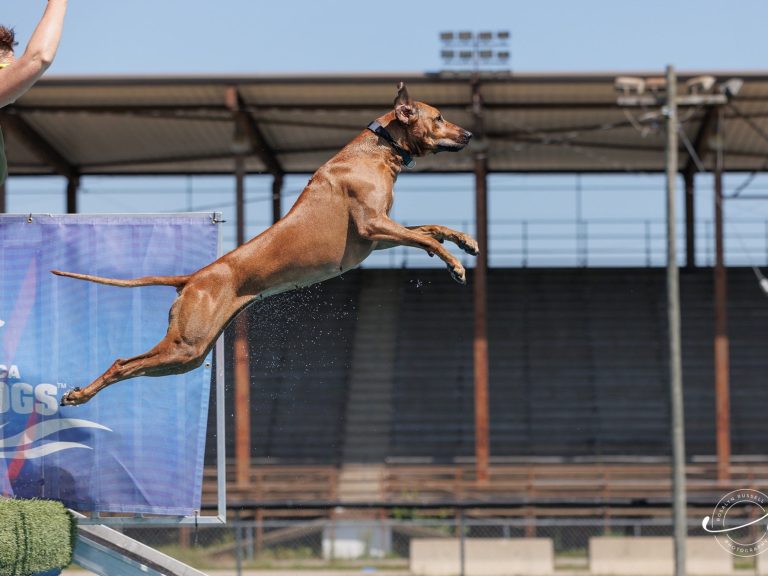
(238, 545)
(480, 347)
(690, 220)
(241, 363)
(462, 545)
(480, 352)
(673, 317)
(73, 183)
(277, 192)
(722, 352)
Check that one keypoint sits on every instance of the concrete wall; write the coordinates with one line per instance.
(483, 556)
(651, 556)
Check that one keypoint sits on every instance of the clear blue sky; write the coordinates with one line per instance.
(251, 36)
(238, 36)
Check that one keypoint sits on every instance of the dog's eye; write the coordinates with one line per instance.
(439, 118)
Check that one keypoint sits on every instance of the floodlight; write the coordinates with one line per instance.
(731, 87)
(700, 84)
(485, 36)
(479, 51)
(656, 84)
(629, 85)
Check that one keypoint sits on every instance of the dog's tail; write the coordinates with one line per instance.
(177, 282)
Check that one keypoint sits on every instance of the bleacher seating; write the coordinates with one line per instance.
(300, 345)
(578, 367)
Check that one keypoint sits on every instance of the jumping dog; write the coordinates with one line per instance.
(338, 220)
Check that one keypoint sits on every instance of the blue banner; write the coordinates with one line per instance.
(138, 446)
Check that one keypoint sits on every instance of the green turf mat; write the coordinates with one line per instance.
(35, 536)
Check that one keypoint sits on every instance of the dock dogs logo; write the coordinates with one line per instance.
(35, 405)
(739, 522)
(38, 405)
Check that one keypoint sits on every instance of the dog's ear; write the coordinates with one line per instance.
(405, 111)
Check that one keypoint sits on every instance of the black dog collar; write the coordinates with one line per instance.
(379, 130)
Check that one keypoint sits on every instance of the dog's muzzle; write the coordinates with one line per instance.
(455, 145)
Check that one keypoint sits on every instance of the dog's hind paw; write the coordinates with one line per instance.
(71, 398)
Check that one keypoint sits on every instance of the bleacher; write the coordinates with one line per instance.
(300, 346)
(578, 370)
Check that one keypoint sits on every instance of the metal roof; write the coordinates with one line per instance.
(186, 125)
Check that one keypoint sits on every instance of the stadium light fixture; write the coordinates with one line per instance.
(699, 91)
(463, 50)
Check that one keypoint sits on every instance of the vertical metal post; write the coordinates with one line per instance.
(673, 318)
(648, 241)
(241, 364)
(462, 545)
(73, 183)
(3, 202)
(480, 353)
(277, 193)
(580, 241)
(524, 232)
(238, 545)
(690, 219)
(722, 352)
(480, 348)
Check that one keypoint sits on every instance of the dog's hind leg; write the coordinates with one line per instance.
(163, 360)
(196, 319)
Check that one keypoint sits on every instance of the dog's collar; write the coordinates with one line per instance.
(379, 130)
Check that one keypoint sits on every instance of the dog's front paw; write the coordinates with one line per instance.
(468, 244)
(458, 273)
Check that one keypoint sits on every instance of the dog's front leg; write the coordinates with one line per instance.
(441, 233)
(390, 233)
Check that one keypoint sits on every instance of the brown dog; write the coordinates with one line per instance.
(339, 219)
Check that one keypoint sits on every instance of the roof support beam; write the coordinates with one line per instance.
(258, 141)
(73, 185)
(700, 143)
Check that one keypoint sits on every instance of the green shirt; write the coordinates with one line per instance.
(3, 162)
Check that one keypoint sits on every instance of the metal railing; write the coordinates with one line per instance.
(594, 242)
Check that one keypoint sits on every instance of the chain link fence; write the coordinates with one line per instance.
(381, 544)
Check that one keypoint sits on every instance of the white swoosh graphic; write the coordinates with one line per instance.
(46, 428)
(2, 323)
(18, 446)
(40, 451)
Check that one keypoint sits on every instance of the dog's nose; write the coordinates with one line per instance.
(467, 135)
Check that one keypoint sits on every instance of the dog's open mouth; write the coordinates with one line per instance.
(450, 146)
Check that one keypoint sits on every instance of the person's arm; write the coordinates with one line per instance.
(19, 77)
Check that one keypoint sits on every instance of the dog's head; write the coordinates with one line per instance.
(426, 129)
